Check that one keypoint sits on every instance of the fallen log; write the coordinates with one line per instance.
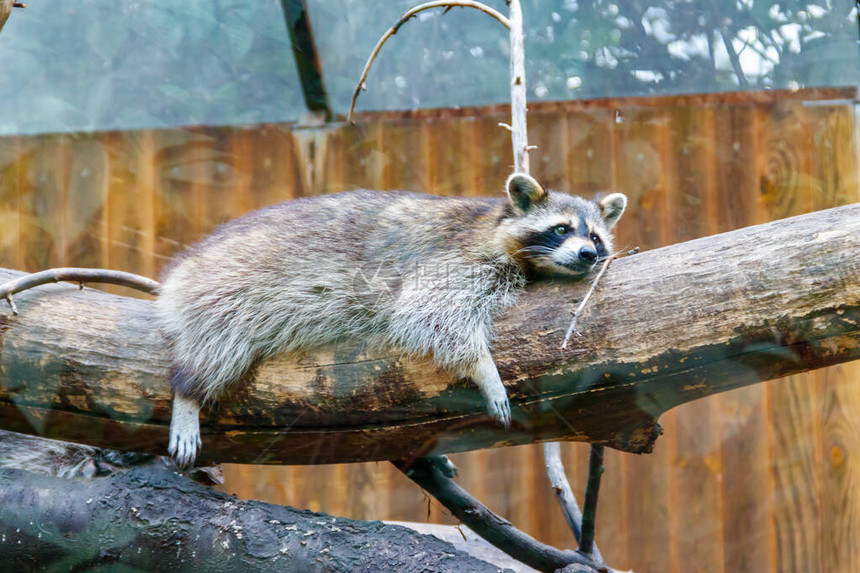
(663, 328)
(150, 519)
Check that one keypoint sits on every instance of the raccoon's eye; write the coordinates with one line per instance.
(595, 239)
(561, 229)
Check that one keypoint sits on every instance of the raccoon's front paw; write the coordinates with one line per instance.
(500, 409)
(184, 431)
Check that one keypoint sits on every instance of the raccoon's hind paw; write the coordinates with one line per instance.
(444, 465)
(184, 431)
(500, 409)
(183, 448)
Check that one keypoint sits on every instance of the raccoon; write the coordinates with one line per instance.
(283, 280)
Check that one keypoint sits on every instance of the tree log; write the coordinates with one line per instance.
(154, 520)
(663, 328)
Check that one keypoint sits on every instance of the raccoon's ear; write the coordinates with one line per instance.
(611, 208)
(524, 191)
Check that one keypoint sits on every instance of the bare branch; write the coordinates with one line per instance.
(430, 474)
(519, 133)
(589, 509)
(563, 492)
(80, 276)
(408, 15)
(734, 59)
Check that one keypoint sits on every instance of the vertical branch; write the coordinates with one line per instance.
(589, 513)
(519, 133)
(563, 494)
(561, 487)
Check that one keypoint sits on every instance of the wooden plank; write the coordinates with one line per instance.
(839, 403)
(738, 198)
(131, 204)
(10, 209)
(220, 188)
(644, 173)
(42, 196)
(748, 529)
(693, 198)
(589, 152)
(549, 162)
(497, 156)
(795, 462)
(696, 506)
(271, 162)
(176, 211)
(86, 212)
(834, 182)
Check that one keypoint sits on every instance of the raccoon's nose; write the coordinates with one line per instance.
(587, 254)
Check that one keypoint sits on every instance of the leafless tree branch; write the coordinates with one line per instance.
(408, 15)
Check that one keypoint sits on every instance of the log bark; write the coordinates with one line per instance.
(663, 328)
(154, 520)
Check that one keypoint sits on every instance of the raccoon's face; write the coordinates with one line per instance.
(557, 233)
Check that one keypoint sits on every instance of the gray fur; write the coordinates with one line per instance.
(281, 280)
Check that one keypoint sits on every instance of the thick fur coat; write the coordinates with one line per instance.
(420, 273)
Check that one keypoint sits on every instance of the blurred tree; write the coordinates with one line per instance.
(96, 64)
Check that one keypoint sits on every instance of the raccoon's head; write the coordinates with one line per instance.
(552, 232)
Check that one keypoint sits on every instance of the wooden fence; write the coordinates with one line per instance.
(758, 479)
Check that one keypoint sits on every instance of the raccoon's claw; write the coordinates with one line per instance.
(501, 410)
(184, 432)
(183, 448)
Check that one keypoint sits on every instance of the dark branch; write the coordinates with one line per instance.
(430, 474)
(149, 519)
(589, 509)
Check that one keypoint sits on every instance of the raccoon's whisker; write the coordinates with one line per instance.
(535, 249)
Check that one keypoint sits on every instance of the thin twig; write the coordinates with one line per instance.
(409, 14)
(589, 507)
(79, 276)
(579, 308)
